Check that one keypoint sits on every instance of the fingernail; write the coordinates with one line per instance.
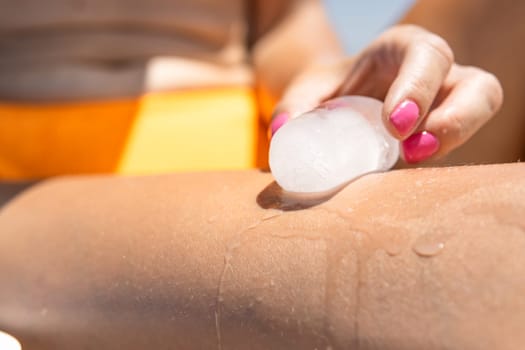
(420, 146)
(278, 121)
(334, 103)
(404, 117)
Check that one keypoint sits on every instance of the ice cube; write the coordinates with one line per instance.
(329, 146)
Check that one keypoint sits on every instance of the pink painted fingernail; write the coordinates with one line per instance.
(420, 146)
(334, 103)
(405, 116)
(278, 121)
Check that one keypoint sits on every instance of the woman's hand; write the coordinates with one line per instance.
(432, 104)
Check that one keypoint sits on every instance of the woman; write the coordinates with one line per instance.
(405, 259)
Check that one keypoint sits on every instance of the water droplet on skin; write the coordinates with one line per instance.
(272, 213)
(428, 245)
(396, 240)
(394, 248)
(252, 226)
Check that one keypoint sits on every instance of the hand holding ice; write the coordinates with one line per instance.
(327, 147)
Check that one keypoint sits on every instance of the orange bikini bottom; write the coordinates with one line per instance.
(191, 130)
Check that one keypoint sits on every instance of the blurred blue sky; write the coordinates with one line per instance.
(358, 22)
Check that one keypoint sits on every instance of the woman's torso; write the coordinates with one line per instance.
(71, 49)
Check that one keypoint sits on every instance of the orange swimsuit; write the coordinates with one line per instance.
(71, 51)
(204, 129)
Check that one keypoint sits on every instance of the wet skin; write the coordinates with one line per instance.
(410, 259)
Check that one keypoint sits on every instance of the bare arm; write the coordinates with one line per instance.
(289, 38)
(425, 258)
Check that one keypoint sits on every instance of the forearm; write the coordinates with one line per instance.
(193, 260)
(301, 39)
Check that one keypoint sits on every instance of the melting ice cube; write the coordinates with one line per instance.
(327, 147)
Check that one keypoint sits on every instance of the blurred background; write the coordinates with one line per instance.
(358, 21)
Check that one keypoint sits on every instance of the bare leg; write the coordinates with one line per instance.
(410, 259)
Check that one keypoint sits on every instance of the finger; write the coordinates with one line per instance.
(306, 92)
(311, 87)
(475, 97)
(372, 73)
(425, 62)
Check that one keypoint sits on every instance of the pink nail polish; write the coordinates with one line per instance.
(405, 116)
(334, 103)
(278, 121)
(420, 146)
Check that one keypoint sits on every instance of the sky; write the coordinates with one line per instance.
(358, 22)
